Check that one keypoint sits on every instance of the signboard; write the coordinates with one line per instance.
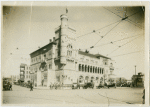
(70, 60)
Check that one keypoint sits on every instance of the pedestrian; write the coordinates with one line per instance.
(31, 87)
(56, 86)
(79, 86)
(50, 86)
(143, 96)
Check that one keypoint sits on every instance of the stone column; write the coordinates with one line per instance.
(38, 78)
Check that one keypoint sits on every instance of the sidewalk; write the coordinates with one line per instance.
(48, 88)
(42, 88)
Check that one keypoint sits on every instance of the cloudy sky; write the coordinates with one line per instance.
(25, 28)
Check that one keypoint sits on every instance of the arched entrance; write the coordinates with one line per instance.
(92, 79)
(81, 79)
(87, 79)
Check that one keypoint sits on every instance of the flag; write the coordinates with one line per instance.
(66, 10)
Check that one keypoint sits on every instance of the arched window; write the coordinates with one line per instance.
(93, 69)
(102, 70)
(86, 79)
(88, 68)
(79, 67)
(82, 67)
(98, 70)
(85, 68)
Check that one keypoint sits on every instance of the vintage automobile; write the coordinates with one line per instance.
(88, 85)
(111, 85)
(74, 86)
(106, 85)
(100, 86)
(7, 85)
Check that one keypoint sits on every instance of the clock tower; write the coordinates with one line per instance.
(65, 39)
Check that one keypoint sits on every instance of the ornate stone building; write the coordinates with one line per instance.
(60, 60)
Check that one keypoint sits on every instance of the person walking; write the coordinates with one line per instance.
(51, 85)
(143, 96)
(31, 87)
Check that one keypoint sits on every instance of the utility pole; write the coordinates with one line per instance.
(135, 69)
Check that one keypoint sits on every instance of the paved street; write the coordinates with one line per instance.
(22, 95)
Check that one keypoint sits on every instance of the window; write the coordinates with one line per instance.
(79, 67)
(100, 70)
(91, 69)
(26, 76)
(50, 66)
(96, 70)
(82, 67)
(88, 68)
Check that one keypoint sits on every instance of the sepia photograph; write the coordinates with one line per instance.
(73, 53)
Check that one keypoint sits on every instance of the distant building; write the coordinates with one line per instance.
(138, 80)
(60, 61)
(24, 72)
(120, 81)
(15, 78)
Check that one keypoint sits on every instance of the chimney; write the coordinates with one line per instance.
(53, 39)
(50, 40)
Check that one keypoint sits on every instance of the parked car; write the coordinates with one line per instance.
(88, 85)
(106, 85)
(74, 86)
(100, 86)
(123, 85)
(7, 85)
(111, 85)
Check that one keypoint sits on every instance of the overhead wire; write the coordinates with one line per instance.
(123, 45)
(127, 53)
(106, 34)
(111, 24)
(116, 41)
(134, 23)
(98, 29)
(122, 17)
(112, 12)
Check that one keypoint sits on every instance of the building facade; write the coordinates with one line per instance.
(24, 72)
(60, 61)
(138, 80)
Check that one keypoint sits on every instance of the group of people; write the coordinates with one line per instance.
(54, 85)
